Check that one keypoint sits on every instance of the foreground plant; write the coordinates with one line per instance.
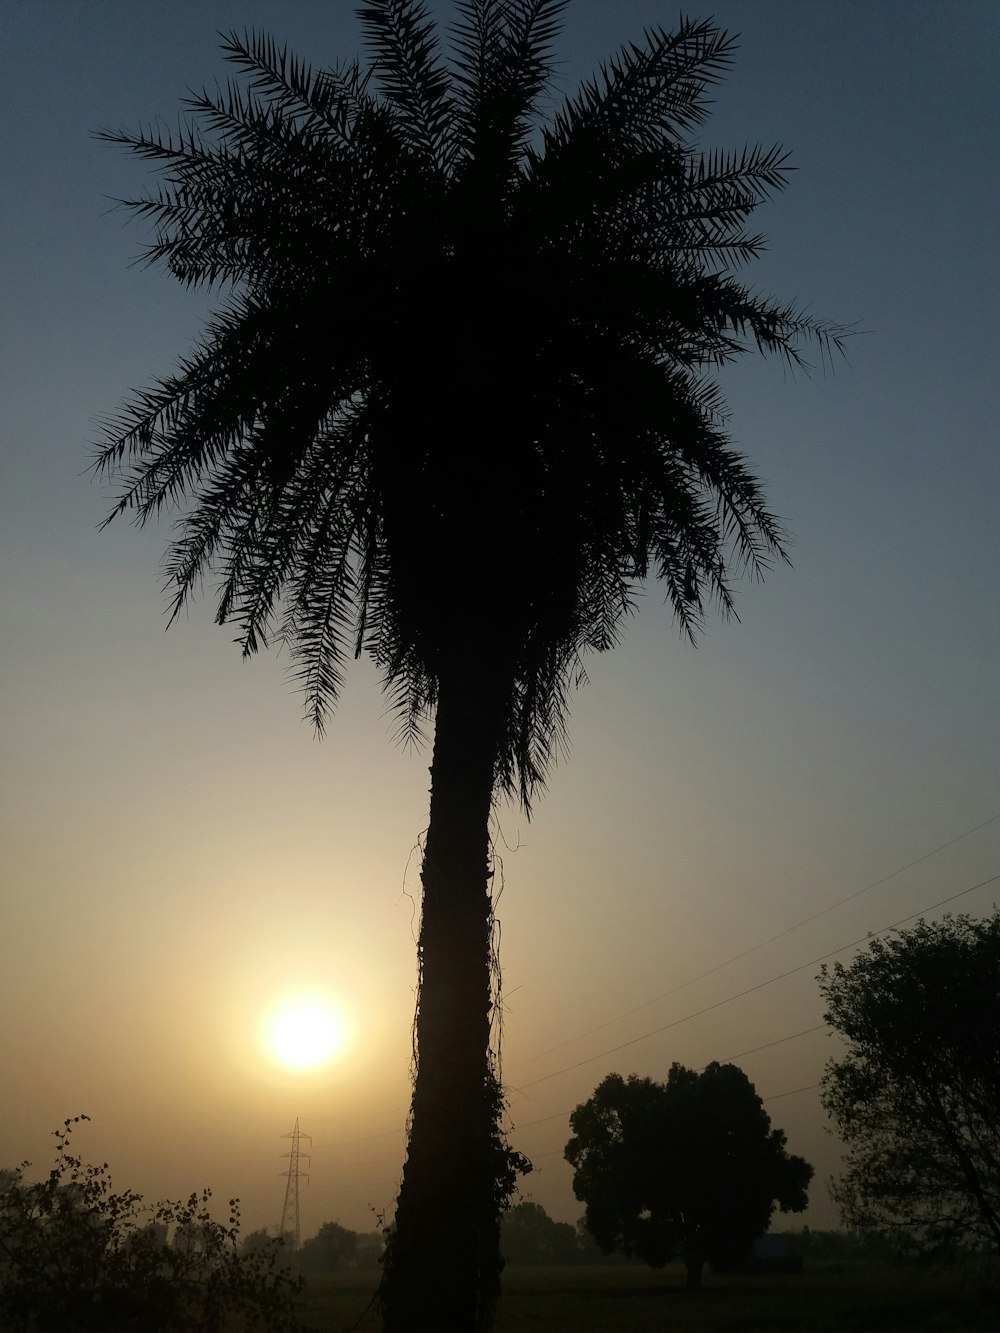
(452, 411)
(77, 1255)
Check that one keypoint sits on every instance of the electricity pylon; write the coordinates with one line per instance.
(291, 1206)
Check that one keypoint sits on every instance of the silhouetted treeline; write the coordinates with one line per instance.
(333, 1247)
(529, 1236)
(847, 1246)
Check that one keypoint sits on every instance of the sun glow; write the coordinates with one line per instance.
(304, 1032)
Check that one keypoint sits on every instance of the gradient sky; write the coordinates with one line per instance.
(180, 852)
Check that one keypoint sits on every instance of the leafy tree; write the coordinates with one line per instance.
(76, 1256)
(261, 1239)
(370, 1248)
(453, 409)
(916, 1097)
(689, 1167)
(332, 1247)
(530, 1236)
(282, 1248)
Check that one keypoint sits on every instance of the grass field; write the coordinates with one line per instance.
(624, 1299)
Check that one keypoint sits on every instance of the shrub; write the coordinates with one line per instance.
(76, 1256)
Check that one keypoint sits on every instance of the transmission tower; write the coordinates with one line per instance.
(290, 1211)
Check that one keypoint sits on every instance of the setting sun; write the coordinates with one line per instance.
(304, 1032)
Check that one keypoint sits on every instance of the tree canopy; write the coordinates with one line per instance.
(689, 1167)
(916, 1096)
(455, 391)
(332, 1247)
(530, 1236)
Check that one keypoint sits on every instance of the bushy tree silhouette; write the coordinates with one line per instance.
(332, 1247)
(530, 1236)
(916, 1096)
(452, 410)
(689, 1167)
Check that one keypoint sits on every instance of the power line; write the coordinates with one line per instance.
(557, 1115)
(777, 1096)
(780, 1041)
(740, 995)
(763, 943)
(774, 1097)
(366, 1138)
(751, 989)
(729, 999)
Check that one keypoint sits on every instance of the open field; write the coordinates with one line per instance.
(623, 1299)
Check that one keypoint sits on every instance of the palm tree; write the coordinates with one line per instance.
(454, 408)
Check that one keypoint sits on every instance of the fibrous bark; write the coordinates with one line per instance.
(442, 1262)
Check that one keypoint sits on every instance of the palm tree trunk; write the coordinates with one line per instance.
(442, 1260)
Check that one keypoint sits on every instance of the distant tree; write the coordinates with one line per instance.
(916, 1098)
(255, 1240)
(331, 1248)
(77, 1257)
(853, 1246)
(530, 1236)
(690, 1167)
(264, 1241)
(154, 1233)
(370, 1248)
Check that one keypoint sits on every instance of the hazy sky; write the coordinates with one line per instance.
(180, 852)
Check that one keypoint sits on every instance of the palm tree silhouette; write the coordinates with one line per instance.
(454, 408)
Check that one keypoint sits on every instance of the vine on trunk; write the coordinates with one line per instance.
(503, 1165)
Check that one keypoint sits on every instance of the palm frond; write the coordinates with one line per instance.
(326, 101)
(459, 390)
(402, 38)
(221, 504)
(504, 63)
(317, 627)
(645, 94)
